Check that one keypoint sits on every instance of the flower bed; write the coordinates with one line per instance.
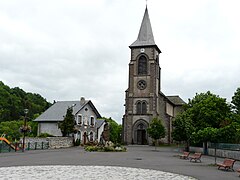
(105, 148)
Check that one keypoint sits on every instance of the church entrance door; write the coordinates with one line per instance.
(141, 136)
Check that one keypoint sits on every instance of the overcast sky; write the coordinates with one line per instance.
(66, 49)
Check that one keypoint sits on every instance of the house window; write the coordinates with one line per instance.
(92, 121)
(142, 65)
(79, 121)
(141, 107)
(91, 136)
(85, 121)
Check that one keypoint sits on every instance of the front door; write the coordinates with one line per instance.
(141, 136)
(85, 138)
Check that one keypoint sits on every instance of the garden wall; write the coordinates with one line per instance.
(53, 142)
(219, 152)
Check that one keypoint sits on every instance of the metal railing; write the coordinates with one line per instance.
(225, 146)
(14, 147)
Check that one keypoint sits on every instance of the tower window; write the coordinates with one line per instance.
(142, 65)
(141, 107)
(144, 107)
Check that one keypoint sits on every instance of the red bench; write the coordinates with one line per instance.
(196, 157)
(184, 155)
(227, 164)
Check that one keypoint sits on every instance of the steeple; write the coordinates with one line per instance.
(145, 36)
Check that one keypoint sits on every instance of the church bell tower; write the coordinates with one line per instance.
(142, 95)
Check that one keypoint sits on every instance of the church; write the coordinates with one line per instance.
(144, 99)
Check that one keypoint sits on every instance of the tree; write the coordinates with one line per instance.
(13, 101)
(236, 101)
(67, 125)
(183, 129)
(12, 129)
(156, 130)
(207, 110)
(203, 116)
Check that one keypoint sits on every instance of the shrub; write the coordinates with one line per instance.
(44, 135)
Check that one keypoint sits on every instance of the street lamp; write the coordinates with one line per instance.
(24, 128)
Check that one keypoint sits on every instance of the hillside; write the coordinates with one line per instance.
(13, 101)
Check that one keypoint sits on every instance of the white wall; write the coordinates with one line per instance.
(50, 128)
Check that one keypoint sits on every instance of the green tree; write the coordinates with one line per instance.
(67, 125)
(13, 101)
(12, 129)
(183, 129)
(206, 134)
(156, 130)
(203, 116)
(236, 101)
(207, 110)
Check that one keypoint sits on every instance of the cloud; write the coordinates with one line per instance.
(67, 49)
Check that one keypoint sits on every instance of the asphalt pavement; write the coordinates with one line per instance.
(145, 157)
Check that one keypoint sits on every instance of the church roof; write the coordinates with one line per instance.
(176, 100)
(145, 36)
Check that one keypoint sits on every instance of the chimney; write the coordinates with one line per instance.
(82, 101)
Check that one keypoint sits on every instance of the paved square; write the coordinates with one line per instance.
(141, 161)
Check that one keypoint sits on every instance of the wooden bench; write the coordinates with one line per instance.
(196, 157)
(227, 164)
(184, 155)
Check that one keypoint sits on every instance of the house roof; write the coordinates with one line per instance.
(176, 100)
(58, 110)
(99, 122)
(145, 35)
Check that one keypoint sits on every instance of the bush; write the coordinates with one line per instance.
(44, 135)
(77, 142)
(105, 149)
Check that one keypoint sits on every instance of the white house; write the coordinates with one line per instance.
(87, 127)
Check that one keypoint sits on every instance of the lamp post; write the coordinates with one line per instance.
(24, 128)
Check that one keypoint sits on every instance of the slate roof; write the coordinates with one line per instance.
(145, 35)
(176, 100)
(99, 122)
(58, 110)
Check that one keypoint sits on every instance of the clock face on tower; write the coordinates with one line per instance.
(141, 84)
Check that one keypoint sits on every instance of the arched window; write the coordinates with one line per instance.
(141, 107)
(140, 126)
(144, 107)
(142, 65)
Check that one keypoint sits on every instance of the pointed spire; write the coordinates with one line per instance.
(145, 36)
